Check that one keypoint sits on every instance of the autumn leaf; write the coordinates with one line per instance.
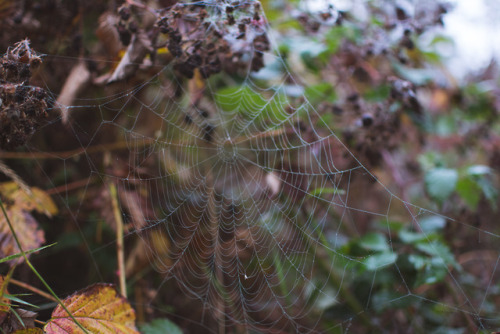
(18, 204)
(98, 308)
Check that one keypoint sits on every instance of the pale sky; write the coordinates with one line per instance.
(475, 27)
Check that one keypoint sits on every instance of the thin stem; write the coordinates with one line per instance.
(119, 237)
(30, 265)
(14, 177)
(32, 289)
(77, 152)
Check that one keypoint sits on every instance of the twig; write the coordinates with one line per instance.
(14, 177)
(77, 152)
(32, 289)
(119, 241)
(70, 186)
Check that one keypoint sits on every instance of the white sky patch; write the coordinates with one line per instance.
(474, 25)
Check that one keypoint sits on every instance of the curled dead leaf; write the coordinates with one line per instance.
(139, 47)
(78, 78)
(18, 320)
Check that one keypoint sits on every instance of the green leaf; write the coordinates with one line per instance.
(321, 191)
(478, 170)
(335, 36)
(416, 76)
(273, 112)
(320, 92)
(386, 299)
(378, 93)
(469, 191)
(477, 182)
(438, 250)
(409, 237)
(160, 326)
(430, 270)
(18, 300)
(441, 182)
(432, 223)
(232, 98)
(489, 191)
(418, 261)
(375, 262)
(374, 242)
(15, 256)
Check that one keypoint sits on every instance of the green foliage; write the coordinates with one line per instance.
(441, 182)
(320, 92)
(257, 108)
(336, 35)
(471, 184)
(160, 326)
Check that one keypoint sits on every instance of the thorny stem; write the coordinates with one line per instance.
(30, 265)
(119, 241)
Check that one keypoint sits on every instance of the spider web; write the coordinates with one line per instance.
(246, 203)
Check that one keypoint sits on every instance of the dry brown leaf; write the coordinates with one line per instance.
(98, 308)
(132, 202)
(78, 78)
(139, 47)
(108, 35)
(22, 320)
(196, 87)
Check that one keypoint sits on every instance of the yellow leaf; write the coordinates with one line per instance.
(38, 199)
(98, 308)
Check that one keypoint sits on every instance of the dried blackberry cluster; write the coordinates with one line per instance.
(22, 107)
(214, 38)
